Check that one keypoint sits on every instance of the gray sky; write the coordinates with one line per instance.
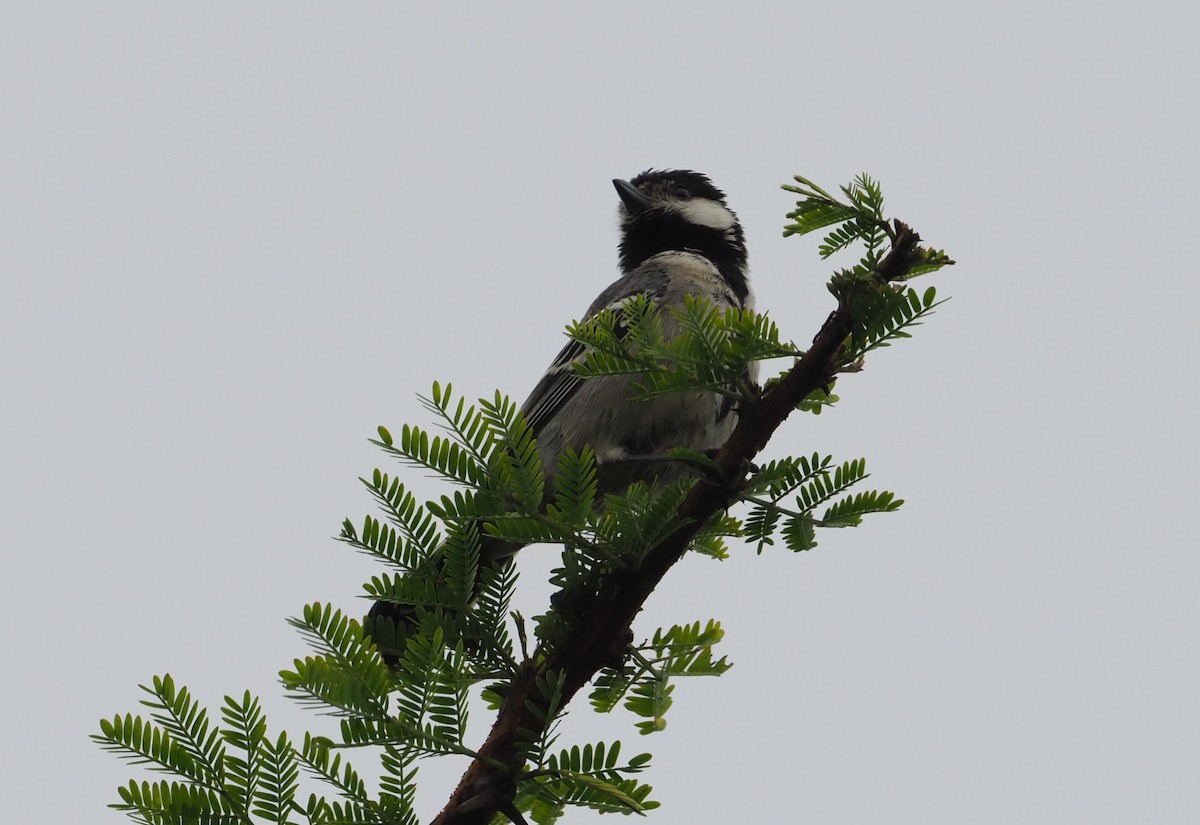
(235, 239)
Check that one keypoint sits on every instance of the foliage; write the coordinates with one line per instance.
(441, 566)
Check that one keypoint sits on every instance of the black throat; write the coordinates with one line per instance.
(649, 234)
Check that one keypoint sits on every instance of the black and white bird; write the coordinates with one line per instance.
(678, 239)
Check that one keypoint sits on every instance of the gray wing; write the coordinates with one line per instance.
(560, 383)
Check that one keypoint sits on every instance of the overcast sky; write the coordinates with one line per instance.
(237, 237)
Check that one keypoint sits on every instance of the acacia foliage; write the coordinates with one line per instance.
(463, 640)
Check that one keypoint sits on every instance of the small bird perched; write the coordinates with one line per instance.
(678, 239)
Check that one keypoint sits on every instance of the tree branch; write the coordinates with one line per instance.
(601, 630)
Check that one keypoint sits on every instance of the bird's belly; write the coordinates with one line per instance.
(627, 434)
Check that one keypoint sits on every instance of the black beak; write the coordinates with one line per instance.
(635, 202)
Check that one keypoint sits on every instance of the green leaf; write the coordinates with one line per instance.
(398, 785)
(187, 723)
(275, 794)
(799, 534)
(164, 802)
(609, 790)
(848, 512)
(317, 756)
(590, 776)
(347, 675)
(811, 215)
(650, 699)
(518, 466)
(686, 650)
(824, 486)
(141, 742)
(927, 261)
(885, 316)
(575, 488)
(245, 729)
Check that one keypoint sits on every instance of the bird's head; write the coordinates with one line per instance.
(680, 210)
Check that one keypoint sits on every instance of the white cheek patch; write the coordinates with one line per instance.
(705, 212)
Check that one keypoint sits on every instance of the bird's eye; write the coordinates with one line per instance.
(681, 192)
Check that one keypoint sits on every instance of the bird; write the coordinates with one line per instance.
(678, 238)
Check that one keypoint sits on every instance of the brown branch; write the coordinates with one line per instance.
(602, 629)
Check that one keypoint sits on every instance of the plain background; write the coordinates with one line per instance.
(237, 236)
